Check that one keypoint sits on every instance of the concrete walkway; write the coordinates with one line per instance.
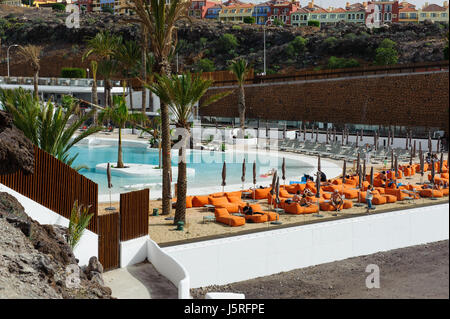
(140, 281)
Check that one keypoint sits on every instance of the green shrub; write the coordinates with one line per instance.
(446, 52)
(249, 20)
(59, 7)
(386, 56)
(341, 63)
(79, 220)
(227, 42)
(277, 22)
(107, 9)
(296, 47)
(236, 27)
(205, 65)
(387, 44)
(314, 23)
(73, 73)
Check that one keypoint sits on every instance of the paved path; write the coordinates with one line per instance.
(140, 281)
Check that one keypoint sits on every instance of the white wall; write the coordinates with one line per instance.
(133, 251)
(234, 259)
(88, 244)
(169, 267)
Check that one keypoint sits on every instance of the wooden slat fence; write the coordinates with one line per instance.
(134, 210)
(222, 80)
(108, 240)
(56, 186)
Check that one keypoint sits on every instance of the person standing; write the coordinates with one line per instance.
(369, 197)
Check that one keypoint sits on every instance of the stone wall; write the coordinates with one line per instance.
(415, 99)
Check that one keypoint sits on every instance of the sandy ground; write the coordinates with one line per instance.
(163, 231)
(412, 272)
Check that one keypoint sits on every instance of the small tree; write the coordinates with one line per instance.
(314, 23)
(59, 7)
(296, 47)
(79, 220)
(107, 9)
(240, 68)
(73, 73)
(277, 22)
(249, 20)
(205, 65)
(386, 53)
(120, 115)
(227, 42)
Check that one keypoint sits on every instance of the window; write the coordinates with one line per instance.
(353, 16)
(423, 15)
(242, 10)
(332, 16)
(443, 15)
(433, 15)
(342, 16)
(225, 11)
(349, 16)
(323, 16)
(403, 16)
(388, 8)
(413, 15)
(314, 16)
(233, 11)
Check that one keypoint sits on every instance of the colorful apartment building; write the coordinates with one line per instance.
(434, 12)
(85, 5)
(356, 12)
(382, 12)
(15, 3)
(235, 11)
(213, 12)
(199, 8)
(408, 13)
(261, 12)
(282, 10)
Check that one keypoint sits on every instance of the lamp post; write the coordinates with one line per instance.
(87, 72)
(265, 24)
(7, 55)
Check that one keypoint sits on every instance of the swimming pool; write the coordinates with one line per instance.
(206, 164)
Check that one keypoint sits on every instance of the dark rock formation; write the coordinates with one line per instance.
(34, 259)
(16, 151)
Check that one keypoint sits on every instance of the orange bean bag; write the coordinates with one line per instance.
(256, 218)
(235, 199)
(188, 201)
(390, 198)
(262, 193)
(397, 193)
(326, 195)
(284, 193)
(376, 200)
(223, 216)
(431, 193)
(380, 190)
(200, 201)
(301, 187)
(293, 208)
(337, 181)
(234, 194)
(311, 209)
(350, 193)
(444, 191)
(331, 188)
(327, 207)
(292, 189)
(444, 175)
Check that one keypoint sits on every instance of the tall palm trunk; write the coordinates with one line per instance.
(108, 100)
(241, 104)
(180, 210)
(35, 83)
(164, 69)
(144, 66)
(119, 151)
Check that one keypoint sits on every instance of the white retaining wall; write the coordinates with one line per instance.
(133, 251)
(170, 268)
(233, 259)
(88, 244)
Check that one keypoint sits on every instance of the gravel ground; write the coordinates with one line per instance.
(412, 272)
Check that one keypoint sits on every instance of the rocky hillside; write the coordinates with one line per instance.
(201, 39)
(34, 259)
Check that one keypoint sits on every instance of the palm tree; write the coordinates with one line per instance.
(154, 129)
(241, 69)
(118, 113)
(128, 54)
(47, 126)
(107, 69)
(181, 94)
(94, 67)
(31, 53)
(102, 47)
(159, 20)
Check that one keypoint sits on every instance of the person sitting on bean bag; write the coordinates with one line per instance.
(336, 200)
(308, 192)
(296, 197)
(304, 201)
(392, 184)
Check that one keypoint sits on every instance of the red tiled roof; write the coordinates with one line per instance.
(433, 8)
(337, 10)
(407, 9)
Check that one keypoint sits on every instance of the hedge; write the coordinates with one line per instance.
(73, 73)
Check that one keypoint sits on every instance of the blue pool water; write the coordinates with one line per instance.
(207, 166)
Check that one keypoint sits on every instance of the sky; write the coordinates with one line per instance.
(341, 3)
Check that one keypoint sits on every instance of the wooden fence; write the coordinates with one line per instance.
(56, 186)
(134, 212)
(335, 73)
(108, 240)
